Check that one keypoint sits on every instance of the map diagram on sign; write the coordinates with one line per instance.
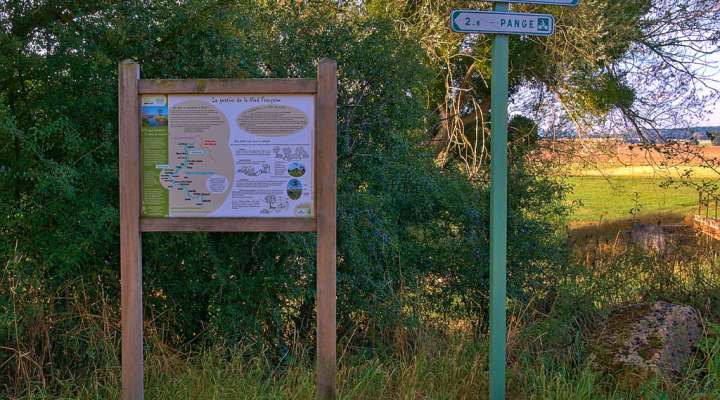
(227, 156)
(200, 169)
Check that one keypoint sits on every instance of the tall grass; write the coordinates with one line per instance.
(74, 354)
(455, 370)
(611, 271)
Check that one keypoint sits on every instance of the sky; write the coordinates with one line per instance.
(714, 117)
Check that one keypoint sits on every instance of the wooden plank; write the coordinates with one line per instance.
(227, 224)
(227, 86)
(707, 226)
(325, 200)
(130, 251)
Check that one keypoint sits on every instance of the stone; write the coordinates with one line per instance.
(649, 237)
(656, 338)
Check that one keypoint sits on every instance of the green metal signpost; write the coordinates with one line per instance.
(498, 208)
(502, 23)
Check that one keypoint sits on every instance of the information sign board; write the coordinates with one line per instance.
(227, 155)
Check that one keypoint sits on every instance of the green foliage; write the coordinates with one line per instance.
(412, 237)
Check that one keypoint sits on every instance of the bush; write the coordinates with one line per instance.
(412, 238)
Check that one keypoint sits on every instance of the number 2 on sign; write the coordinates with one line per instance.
(468, 22)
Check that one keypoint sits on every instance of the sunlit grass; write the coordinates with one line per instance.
(602, 199)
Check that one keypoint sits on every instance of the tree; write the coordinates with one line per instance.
(641, 60)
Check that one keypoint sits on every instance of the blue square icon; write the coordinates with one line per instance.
(543, 24)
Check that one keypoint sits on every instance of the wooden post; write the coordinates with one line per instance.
(130, 253)
(326, 188)
(707, 206)
(699, 203)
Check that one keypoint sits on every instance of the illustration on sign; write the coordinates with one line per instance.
(472, 21)
(227, 155)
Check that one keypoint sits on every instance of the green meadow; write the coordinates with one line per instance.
(599, 199)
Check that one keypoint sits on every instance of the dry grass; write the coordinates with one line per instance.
(592, 154)
(611, 230)
(648, 171)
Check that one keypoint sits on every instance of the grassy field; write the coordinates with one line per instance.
(450, 371)
(613, 180)
(548, 355)
(615, 197)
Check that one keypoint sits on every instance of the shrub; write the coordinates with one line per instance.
(412, 238)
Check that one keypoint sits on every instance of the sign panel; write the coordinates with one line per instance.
(509, 23)
(227, 155)
(570, 3)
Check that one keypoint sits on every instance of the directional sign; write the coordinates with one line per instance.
(570, 3)
(509, 23)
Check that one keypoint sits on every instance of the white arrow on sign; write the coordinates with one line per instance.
(508, 23)
(570, 3)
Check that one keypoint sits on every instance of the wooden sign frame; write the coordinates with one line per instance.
(323, 220)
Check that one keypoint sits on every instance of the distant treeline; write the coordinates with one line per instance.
(696, 133)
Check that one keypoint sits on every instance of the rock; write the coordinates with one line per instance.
(650, 237)
(656, 338)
